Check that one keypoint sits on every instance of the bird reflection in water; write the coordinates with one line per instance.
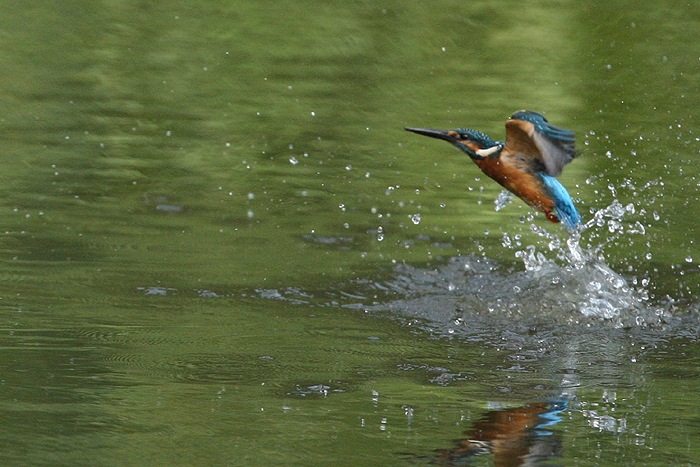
(513, 436)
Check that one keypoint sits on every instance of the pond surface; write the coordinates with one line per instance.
(221, 248)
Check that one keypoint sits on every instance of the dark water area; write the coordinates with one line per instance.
(220, 247)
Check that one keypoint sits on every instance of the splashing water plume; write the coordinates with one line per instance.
(580, 280)
(563, 284)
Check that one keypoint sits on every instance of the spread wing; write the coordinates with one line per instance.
(530, 134)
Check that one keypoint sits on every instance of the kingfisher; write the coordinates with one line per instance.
(535, 152)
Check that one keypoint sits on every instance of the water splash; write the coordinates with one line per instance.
(564, 282)
(579, 278)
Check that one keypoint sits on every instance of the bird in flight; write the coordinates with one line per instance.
(535, 152)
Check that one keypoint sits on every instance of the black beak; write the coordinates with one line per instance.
(439, 134)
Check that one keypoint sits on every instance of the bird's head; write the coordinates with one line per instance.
(476, 144)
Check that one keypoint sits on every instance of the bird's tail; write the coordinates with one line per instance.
(563, 205)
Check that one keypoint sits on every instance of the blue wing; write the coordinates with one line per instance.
(533, 135)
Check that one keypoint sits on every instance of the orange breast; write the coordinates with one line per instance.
(522, 184)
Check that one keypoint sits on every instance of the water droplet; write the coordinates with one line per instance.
(503, 199)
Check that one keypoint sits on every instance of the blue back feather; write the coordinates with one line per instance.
(563, 205)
